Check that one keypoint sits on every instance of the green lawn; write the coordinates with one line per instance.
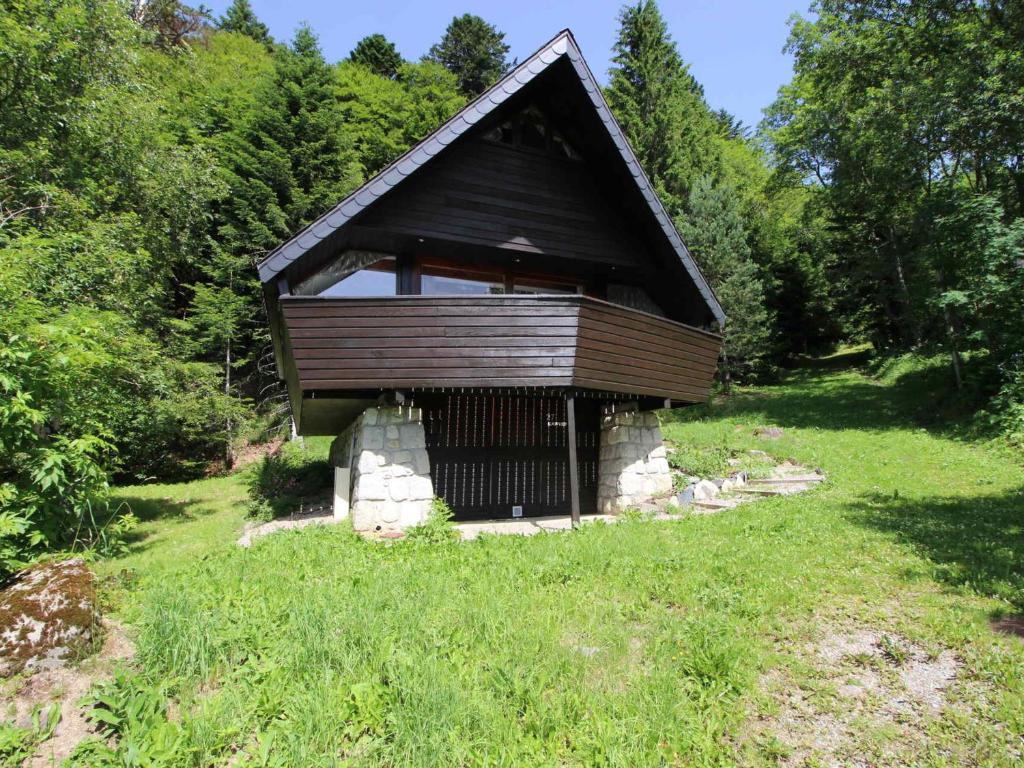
(697, 642)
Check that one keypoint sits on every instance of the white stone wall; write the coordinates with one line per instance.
(391, 485)
(633, 468)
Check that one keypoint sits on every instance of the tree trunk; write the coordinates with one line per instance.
(909, 326)
(954, 353)
(229, 454)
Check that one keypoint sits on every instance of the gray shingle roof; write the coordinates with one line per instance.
(563, 44)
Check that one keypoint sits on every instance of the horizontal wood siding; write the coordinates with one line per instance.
(624, 350)
(500, 341)
(431, 342)
(494, 195)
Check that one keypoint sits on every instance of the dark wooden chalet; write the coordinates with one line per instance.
(512, 274)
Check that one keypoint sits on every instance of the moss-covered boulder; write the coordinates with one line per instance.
(48, 616)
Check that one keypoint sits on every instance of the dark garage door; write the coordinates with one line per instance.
(491, 454)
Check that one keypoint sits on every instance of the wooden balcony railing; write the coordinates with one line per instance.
(413, 342)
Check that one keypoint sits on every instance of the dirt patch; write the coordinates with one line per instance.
(63, 688)
(872, 698)
(1009, 625)
(253, 452)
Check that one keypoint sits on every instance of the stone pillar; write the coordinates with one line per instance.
(390, 475)
(632, 468)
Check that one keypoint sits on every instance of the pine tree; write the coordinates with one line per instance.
(474, 51)
(323, 160)
(241, 18)
(715, 233)
(659, 105)
(378, 54)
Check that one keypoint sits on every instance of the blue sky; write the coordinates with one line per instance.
(734, 47)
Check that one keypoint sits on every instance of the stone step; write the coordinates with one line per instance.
(786, 480)
(759, 491)
(714, 503)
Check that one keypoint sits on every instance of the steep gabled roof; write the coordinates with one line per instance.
(563, 45)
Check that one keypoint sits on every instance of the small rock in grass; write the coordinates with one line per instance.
(705, 490)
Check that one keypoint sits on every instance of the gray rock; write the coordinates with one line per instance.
(48, 616)
(705, 490)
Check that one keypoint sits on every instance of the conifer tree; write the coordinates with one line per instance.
(321, 153)
(378, 54)
(715, 234)
(474, 51)
(241, 18)
(659, 105)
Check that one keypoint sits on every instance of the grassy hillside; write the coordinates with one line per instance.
(707, 641)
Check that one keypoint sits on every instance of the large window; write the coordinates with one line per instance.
(353, 274)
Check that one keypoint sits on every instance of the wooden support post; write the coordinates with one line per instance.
(574, 472)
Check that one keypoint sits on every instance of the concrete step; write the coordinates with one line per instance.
(715, 503)
(786, 480)
(759, 491)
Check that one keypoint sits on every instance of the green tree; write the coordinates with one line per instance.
(241, 18)
(474, 51)
(387, 116)
(659, 104)
(378, 54)
(714, 231)
(171, 23)
(908, 118)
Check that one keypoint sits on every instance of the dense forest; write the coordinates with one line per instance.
(151, 155)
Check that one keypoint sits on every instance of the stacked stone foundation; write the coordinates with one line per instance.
(390, 470)
(633, 469)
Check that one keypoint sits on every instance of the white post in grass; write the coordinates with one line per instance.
(341, 489)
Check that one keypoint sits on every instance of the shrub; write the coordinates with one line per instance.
(55, 448)
(437, 528)
(1007, 407)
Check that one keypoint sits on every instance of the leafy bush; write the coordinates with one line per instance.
(53, 486)
(437, 528)
(1007, 407)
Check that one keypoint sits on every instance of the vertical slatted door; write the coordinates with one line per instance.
(490, 453)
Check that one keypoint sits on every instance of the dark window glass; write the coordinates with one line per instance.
(459, 284)
(541, 287)
(353, 273)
